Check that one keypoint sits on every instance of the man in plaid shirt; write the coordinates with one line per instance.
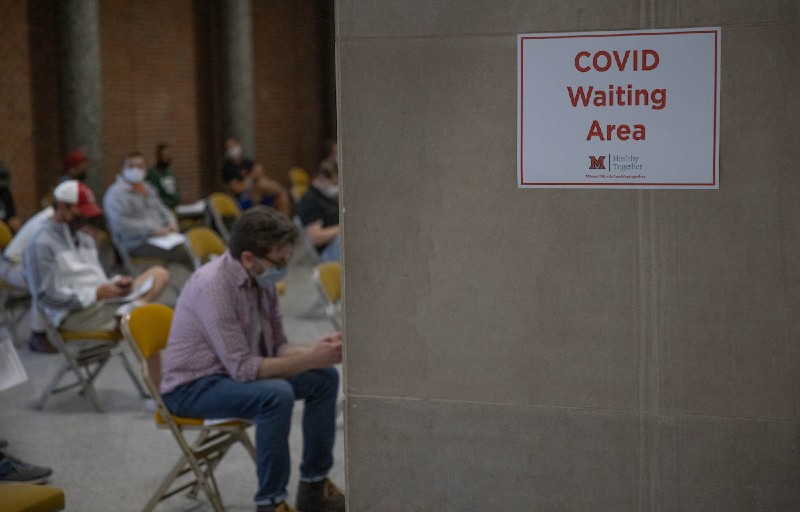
(228, 357)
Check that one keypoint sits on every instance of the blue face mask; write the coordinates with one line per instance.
(271, 276)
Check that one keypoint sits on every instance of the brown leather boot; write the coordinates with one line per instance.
(322, 496)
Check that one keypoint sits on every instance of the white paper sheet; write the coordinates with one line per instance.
(134, 294)
(167, 242)
(11, 370)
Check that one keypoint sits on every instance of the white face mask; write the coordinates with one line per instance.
(133, 174)
(234, 152)
(331, 192)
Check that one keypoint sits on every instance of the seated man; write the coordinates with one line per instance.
(265, 191)
(63, 271)
(135, 214)
(249, 183)
(161, 177)
(319, 211)
(228, 357)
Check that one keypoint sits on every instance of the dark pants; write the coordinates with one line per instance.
(269, 403)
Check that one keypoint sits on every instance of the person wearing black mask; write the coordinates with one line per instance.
(63, 270)
(161, 177)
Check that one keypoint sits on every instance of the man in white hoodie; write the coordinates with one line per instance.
(63, 271)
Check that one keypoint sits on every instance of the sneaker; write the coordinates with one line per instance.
(280, 507)
(322, 496)
(14, 471)
(40, 343)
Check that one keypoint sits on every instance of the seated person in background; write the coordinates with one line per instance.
(135, 213)
(63, 271)
(235, 167)
(12, 273)
(264, 191)
(228, 357)
(249, 183)
(8, 212)
(319, 211)
(162, 179)
(75, 166)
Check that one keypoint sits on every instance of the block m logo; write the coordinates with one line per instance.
(597, 162)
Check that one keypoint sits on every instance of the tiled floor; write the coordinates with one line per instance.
(112, 462)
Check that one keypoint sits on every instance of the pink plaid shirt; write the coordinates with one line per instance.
(212, 328)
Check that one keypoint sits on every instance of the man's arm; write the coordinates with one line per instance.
(294, 359)
(320, 235)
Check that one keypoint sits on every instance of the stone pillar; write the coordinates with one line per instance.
(81, 87)
(236, 44)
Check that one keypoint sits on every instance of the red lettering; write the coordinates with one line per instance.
(595, 131)
(622, 132)
(602, 61)
(578, 64)
(654, 55)
(606, 56)
(621, 65)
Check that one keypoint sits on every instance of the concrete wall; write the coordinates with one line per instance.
(563, 350)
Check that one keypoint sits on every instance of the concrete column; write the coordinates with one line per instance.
(81, 84)
(236, 44)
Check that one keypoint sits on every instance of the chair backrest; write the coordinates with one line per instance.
(223, 211)
(224, 204)
(204, 243)
(299, 176)
(5, 235)
(308, 245)
(146, 329)
(329, 276)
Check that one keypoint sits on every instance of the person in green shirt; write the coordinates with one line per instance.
(162, 179)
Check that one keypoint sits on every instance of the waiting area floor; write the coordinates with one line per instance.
(113, 461)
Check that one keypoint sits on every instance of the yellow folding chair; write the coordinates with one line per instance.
(204, 243)
(13, 301)
(223, 210)
(31, 498)
(300, 182)
(146, 329)
(328, 278)
(85, 354)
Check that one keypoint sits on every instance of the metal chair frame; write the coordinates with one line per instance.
(200, 457)
(84, 362)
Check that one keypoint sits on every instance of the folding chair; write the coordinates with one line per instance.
(146, 329)
(14, 301)
(328, 278)
(204, 243)
(223, 211)
(85, 354)
(308, 245)
(31, 498)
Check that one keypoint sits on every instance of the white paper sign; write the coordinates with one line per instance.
(634, 109)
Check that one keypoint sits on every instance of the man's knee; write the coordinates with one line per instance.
(278, 394)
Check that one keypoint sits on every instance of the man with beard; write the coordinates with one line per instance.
(63, 271)
(161, 177)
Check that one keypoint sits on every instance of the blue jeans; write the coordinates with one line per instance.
(332, 251)
(269, 403)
